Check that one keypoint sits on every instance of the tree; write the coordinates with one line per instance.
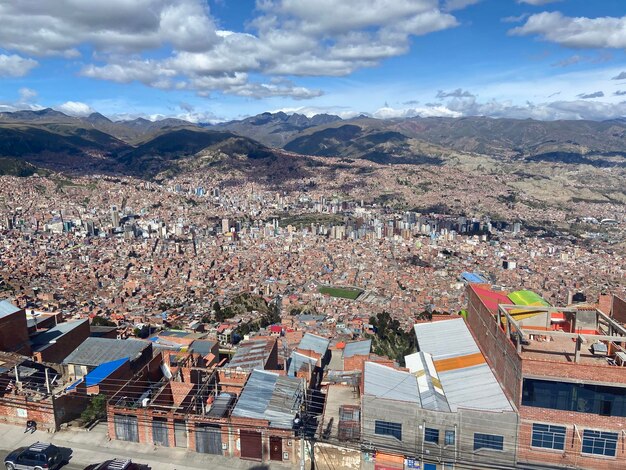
(142, 332)
(97, 409)
(101, 321)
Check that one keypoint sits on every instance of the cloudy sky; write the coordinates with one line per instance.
(211, 60)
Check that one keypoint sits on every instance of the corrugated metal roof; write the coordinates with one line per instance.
(251, 355)
(297, 360)
(97, 351)
(445, 339)
(473, 278)
(474, 387)
(357, 348)
(465, 383)
(7, 308)
(428, 382)
(314, 343)
(384, 382)
(202, 346)
(103, 371)
(266, 395)
(221, 405)
(43, 339)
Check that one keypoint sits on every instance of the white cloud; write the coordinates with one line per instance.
(74, 108)
(581, 32)
(291, 37)
(15, 66)
(59, 27)
(27, 94)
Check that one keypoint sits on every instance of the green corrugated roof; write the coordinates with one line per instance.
(527, 297)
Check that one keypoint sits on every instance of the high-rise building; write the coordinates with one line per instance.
(115, 217)
(225, 226)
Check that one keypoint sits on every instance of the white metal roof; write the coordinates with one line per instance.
(384, 382)
(445, 339)
(474, 387)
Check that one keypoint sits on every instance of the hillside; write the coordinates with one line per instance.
(276, 129)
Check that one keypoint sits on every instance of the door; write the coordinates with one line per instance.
(276, 448)
(180, 433)
(251, 444)
(126, 428)
(209, 439)
(430, 466)
(159, 432)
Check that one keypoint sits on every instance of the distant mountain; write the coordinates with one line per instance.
(131, 131)
(389, 141)
(158, 153)
(276, 129)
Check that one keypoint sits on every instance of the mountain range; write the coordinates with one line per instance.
(51, 139)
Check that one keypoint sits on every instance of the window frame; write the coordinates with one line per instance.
(388, 427)
(554, 430)
(487, 439)
(601, 435)
(446, 434)
(429, 435)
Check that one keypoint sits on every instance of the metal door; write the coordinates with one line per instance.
(159, 432)
(209, 439)
(180, 433)
(126, 428)
(276, 448)
(251, 444)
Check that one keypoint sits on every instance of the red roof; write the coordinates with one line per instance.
(491, 298)
(276, 328)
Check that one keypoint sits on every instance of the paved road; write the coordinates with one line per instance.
(69, 466)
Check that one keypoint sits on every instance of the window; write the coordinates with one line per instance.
(385, 428)
(431, 435)
(548, 436)
(449, 438)
(599, 443)
(488, 441)
(602, 400)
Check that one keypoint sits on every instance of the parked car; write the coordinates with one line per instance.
(39, 456)
(117, 464)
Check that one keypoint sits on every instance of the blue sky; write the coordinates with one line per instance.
(225, 59)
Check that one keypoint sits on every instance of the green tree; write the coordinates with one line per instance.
(101, 321)
(97, 409)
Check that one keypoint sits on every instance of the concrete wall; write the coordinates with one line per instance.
(415, 420)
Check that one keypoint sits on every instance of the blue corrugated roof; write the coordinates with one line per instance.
(103, 371)
(474, 278)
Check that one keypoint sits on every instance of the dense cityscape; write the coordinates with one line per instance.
(313, 235)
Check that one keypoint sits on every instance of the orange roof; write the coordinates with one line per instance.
(340, 345)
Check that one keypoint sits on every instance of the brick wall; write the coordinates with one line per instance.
(619, 309)
(14, 333)
(572, 454)
(499, 351)
(64, 345)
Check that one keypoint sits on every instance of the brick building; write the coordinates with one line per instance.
(558, 367)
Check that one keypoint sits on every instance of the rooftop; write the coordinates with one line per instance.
(7, 308)
(45, 338)
(96, 351)
(357, 348)
(252, 354)
(456, 369)
(272, 397)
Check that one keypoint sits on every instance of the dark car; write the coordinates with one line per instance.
(39, 456)
(118, 464)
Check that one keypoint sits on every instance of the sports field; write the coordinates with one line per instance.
(341, 292)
